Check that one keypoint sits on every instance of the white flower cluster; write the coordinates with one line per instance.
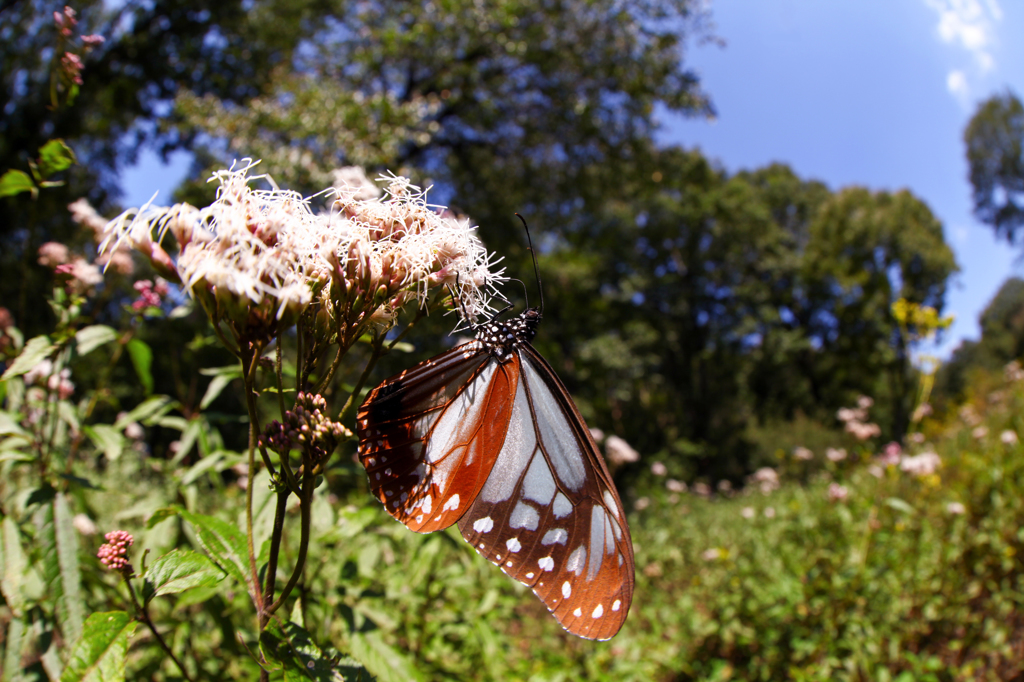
(267, 252)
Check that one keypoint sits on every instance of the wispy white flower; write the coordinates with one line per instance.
(1008, 437)
(747, 512)
(267, 251)
(955, 508)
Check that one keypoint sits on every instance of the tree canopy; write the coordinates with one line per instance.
(995, 152)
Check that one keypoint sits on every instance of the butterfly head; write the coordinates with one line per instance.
(502, 336)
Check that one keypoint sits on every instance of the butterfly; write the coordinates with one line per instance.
(485, 435)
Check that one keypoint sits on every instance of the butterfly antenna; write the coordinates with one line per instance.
(536, 269)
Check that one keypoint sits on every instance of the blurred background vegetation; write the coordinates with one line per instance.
(717, 322)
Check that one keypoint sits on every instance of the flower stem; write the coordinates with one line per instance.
(142, 613)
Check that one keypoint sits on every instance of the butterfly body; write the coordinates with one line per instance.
(485, 435)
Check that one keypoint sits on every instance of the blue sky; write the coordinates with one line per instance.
(866, 92)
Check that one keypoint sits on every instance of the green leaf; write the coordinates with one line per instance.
(899, 505)
(92, 337)
(149, 409)
(15, 182)
(99, 655)
(55, 156)
(9, 425)
(177, 571)
(107, 439)
(161, 515)
(14, 565)
(36, 350)
(384, 661)
(226, 544)
(302, 659)
(59, 543)
(217, 385)
(142, 359)
(201, 467)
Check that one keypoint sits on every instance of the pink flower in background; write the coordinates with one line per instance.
(769, 512)
(659, 469)
(923, 464)
(837, 493)
(747, 512)
(52, 254)
(802, 453)
(150, 294)
(766, 479)
(955, 508)
(835, 454)
(675, 486)
(891, 454)
(979, 432)
(619, 451)
(1008, 437)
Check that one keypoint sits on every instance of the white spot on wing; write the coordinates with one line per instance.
(562, 507)
(555, 536)
(577, 560)
(546, 563)
(598, 612)
(538, 485)
(428, 504)
(560, 443)
(529, 576)
(577, 613)
(616, 604)
(452, 504)
(483, 525)
(566, 589)
(597, 528)
(524, 516)
(520, 444)
(609, 501)
(513, 545)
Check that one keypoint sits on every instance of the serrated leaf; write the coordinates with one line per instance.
(142, 360)
(148, 409)
(223, 542)
(177, 571)
(107, 439)
(99, 655)
(90, 338)
(14, 645)
(55, 156)
(59, 543)
(215, 388)
(302, 659)
(15, 182)
(14, 565)
(36, 350)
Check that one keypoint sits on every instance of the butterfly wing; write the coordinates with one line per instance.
(548, 513)
(427, 435)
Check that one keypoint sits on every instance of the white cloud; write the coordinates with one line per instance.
(969, 24)
(956, 83)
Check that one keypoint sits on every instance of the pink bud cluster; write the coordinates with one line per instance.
(306, 427)
(71, 63)
(114, 554)
(150, 293)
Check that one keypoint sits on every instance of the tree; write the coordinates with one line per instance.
(995, 152)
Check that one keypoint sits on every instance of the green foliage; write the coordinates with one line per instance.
(995, 153)
(1002, 340)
